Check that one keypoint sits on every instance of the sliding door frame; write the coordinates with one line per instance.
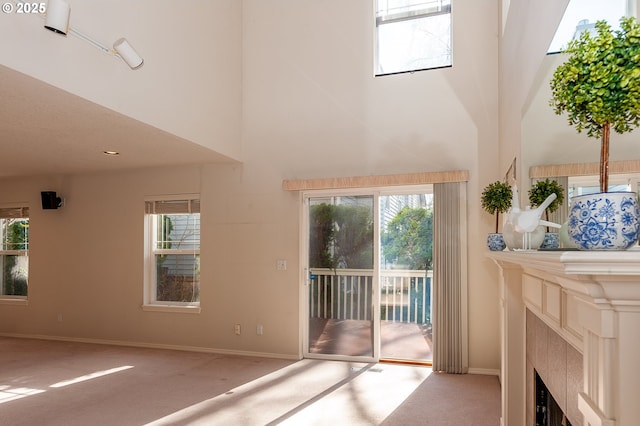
(304, 279)
(304, 272)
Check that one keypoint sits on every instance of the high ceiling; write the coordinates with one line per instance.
(47, 131)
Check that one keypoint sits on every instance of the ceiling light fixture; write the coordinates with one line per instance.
(57, 20)
(128, 53)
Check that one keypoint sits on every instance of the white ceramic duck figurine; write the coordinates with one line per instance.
(529, 219)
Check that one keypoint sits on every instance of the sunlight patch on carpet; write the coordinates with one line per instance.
(334, 391)
(90, 376)
(7, 393)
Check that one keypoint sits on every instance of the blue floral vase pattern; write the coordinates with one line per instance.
(495, 242)
(551, 241)
(604, 221)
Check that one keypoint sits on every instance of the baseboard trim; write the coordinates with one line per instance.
(484, 371)
(152, 346)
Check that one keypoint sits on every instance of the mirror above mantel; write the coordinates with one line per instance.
(546, 137)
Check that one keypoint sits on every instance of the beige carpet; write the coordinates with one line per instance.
(63, 383)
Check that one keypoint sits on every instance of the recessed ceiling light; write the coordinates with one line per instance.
(113, 153)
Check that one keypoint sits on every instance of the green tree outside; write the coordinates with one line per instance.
(15, 278)
(340, 236)
(408, 239)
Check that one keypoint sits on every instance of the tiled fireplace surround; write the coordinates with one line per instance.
(559, 365)
(575, 318)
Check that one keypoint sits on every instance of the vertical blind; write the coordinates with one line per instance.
(450, 328)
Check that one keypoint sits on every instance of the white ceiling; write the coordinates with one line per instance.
(47, 131)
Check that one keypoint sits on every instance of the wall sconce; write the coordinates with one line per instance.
(57, 18)
(50, 200)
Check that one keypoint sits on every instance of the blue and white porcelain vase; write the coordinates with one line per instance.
(495, 242)
(565, 240)
(604, 221)
(551, 241)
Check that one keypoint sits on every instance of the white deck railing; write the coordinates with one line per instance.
(405, 296)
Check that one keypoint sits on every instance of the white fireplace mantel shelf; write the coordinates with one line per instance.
(592, 300)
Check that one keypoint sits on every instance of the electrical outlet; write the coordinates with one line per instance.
(281, 265)
(259, 330)
(236, 329)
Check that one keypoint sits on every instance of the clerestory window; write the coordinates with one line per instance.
(581, 15)
(14, 252)
(172, 273)
(412, 35)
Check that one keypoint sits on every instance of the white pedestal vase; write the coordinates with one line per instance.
(604, 221)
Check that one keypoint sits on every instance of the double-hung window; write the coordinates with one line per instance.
(412, 35)
(172, 276)
(14, 250)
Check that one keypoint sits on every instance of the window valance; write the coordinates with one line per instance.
(376, 180)
(583, 169)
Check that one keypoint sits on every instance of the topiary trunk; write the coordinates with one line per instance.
(604, 158)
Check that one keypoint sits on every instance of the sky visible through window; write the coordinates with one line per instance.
(412, 35)
(592, 10)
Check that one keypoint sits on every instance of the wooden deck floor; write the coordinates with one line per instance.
(398, 341)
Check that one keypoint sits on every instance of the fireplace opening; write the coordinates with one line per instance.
(548, 412)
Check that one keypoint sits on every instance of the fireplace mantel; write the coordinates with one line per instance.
(592, 300)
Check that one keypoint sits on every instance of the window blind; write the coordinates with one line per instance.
(14, 212)
(389, 11)
(172, 206)
(450, 305)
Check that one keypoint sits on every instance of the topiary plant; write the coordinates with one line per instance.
(541, 190)
(496, 199)
(599, 85)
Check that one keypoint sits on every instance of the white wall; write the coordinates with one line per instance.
(86, 262)
(311, 108)
(190, 84)
(528, 31)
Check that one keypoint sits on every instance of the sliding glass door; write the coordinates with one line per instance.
(406, 275)
(340, 276)
(368, 275)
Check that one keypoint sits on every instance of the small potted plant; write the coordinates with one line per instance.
(537, 195)
(598, 86)
(496, 198)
